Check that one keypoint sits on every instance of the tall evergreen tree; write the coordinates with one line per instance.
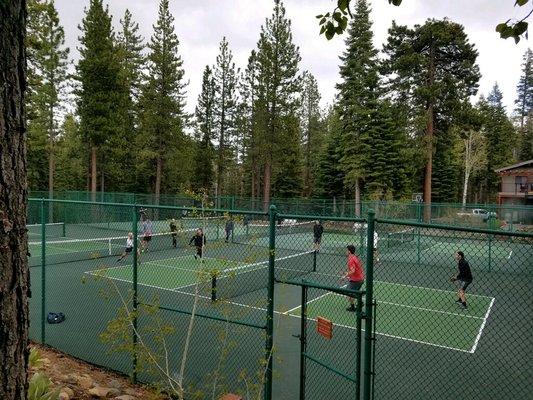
(278, 87)
(100, 91)
(119, 157)
(163, 101)
(312, 132)
(47, 73)
(329, 172)
(500, 138)
(358, 98)
(252, 116)
(526, 146)
(432, 67)
(71, 157)
(524, 89)
(204, 157)
(225, 107)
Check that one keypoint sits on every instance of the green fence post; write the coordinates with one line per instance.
(270, 306)
(135, 299)
(419, 218)
(490, 251)
(43, 272)
(367, 382)
(303, 343)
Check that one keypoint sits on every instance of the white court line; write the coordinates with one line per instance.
(430, 247)
(426, 288)
(474, 347)
(309, 302)
(510, 254)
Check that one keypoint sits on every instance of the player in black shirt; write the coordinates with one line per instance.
(199, 242)
(174, 232)
(463, 276)
(318, 230)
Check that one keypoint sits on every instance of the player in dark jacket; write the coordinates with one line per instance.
(199, 242)
(463, 276)
(318, 230)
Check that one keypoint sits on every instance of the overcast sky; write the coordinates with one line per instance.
(201, 24)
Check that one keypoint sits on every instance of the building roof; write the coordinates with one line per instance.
(524, 165)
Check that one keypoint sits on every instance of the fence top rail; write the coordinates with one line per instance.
(320, 217)
(316, 285)
(156, 206)
(454, 228)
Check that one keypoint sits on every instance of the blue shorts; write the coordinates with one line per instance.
(353, 285)
(464, 284)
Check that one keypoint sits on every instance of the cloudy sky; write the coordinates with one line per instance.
(201, 24)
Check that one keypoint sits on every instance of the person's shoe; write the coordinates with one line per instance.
(463, 306)
(350, 308)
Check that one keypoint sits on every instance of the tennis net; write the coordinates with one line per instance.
(395, 239)
(70, 250)
(55, 229)
(237, 281)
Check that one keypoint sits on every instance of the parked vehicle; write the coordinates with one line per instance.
(479, 213)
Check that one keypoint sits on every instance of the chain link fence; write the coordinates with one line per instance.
(144, 293)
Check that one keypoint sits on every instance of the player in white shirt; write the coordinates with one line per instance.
(129, 247)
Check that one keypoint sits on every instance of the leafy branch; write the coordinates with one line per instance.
(335, 22)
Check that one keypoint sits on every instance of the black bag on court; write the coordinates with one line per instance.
(55, 318)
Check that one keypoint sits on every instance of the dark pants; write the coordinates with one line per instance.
(199, 251)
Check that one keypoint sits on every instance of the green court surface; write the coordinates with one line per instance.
(417, 314)
(168, 274)
(496, 250)
(413, 313)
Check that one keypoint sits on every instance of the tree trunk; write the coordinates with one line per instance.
(266, 184)
(468, 149)
(93, 173)
(429, 139)
(357, 198)
(51, 169)
(14, 273)
(159, 167)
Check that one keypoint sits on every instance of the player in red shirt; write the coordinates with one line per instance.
(354, 274)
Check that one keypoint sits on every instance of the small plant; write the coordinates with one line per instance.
(35, 360)
(40, 388)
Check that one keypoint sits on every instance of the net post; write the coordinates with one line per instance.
(213, 287)
(367, 382)
(359, 316)
(43, 271)
(314, 261)
(135, 287)
(270, 307)
(303, 342)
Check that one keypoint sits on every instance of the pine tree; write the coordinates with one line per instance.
(357, 98)
(432, 68)
(252, 116)
(163, 102)
(47, 77)
(204, 157)
(500, 138)
(119, 157)
(225, 107)
(524, 89)
(329, 173)
(312, 133)
(71, 157)
(277, 87)
(526, 146)
(100, 91)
